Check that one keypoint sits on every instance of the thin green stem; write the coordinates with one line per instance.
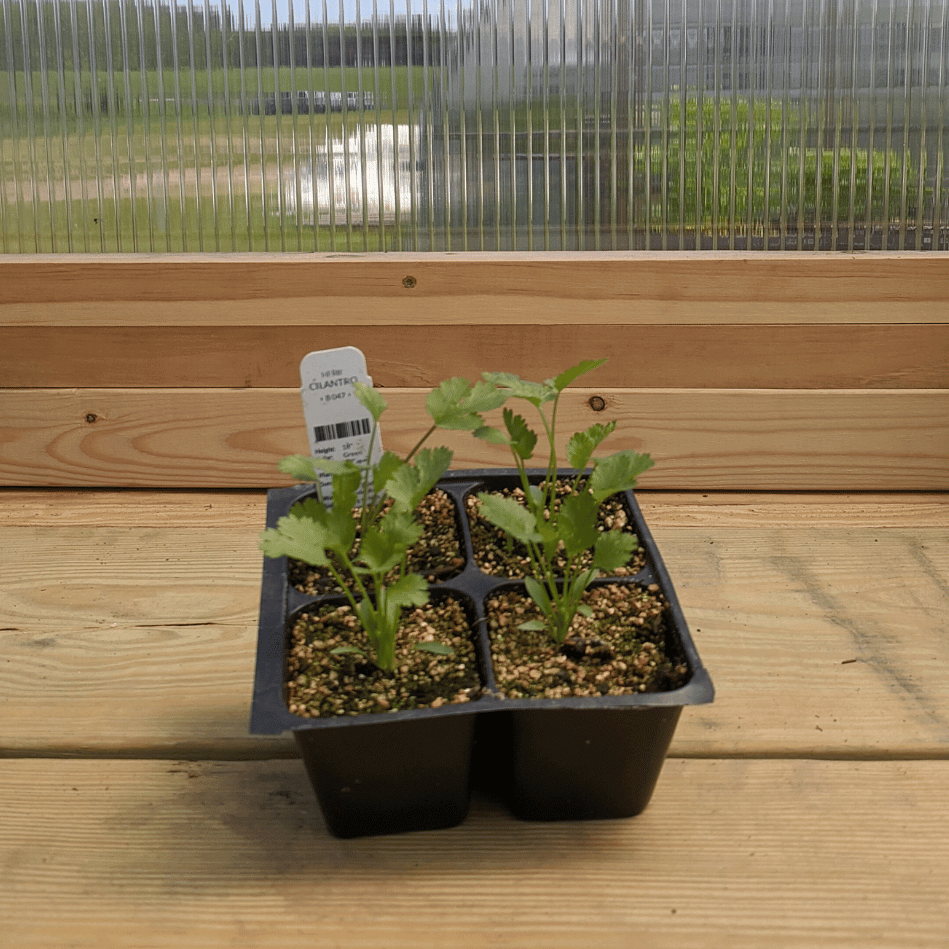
(370, 505)
(421, 442)
(337, 576)
(550, 429)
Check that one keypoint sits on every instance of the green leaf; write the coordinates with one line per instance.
(535, 496)
(617, 473)
(341, 650)
(384, 469)
(511, 517)
(382, 547)
(334, 467)
(346, 484)
(534, 392)
(299, 467)
(584, 610)
(523, 438)
(410, 590)
(493, 436)
(613, 549)
(371, 399)
(538, 593)
(299, 535)
(533, 625)
(581, 446)
(576, 523)
(431, 464)
(456, 404)
(549, 537)
(310, 508)
(580, 583)
(340, 530)
(568, 375)
(411, 482)
(440, 649)
(401, 526)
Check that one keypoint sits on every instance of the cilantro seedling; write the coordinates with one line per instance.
(552, 528)
(367, 527)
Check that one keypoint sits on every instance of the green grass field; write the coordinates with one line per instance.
(154, 178)
(70, 91)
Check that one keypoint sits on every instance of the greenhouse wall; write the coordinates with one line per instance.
(128, 125)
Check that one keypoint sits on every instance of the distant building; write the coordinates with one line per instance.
(598, 52)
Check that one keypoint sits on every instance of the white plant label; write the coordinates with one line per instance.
(339, 426)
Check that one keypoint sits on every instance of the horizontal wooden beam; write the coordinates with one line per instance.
(735, 854)
(485, 289)
(137, 637)
(737, 439)
(246, 508)
(832, 356)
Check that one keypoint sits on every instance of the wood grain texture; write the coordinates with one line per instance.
(140, 640)
(621, 288)
(834, 356)
(707, 439)
(792, 854)
(138, 507)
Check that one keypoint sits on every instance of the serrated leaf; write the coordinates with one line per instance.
(401, 526)
(299, 467)
(568, 375)
(299, 536)
(382, 548)
(522, 438)
(440, 649)
(334, 466)
(493, 436)
(617, 473)
(384, 469)
(576, 523)
(581, 446)
(534, 392)
(511, 517)
(371, 399)
(549, 537)
(340, 530)
(410, 483)
(613, 549)
(431, 464)
(410, 590)
(456, 404)
(310, 508)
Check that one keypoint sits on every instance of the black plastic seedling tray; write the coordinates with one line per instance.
(550, 759)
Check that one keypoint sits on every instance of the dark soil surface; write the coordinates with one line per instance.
(618, 650)
(497, 555)
(322, 685)
(437, 556)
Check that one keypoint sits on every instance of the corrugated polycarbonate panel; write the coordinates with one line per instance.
(148, 125)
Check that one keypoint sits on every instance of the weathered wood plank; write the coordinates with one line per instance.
(136, 507)
(792, 854)
(848, 356)
(622, 288)
(140, 640)
(707, 439)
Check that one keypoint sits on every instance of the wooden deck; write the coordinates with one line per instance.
(806, 807)
(799, 410)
